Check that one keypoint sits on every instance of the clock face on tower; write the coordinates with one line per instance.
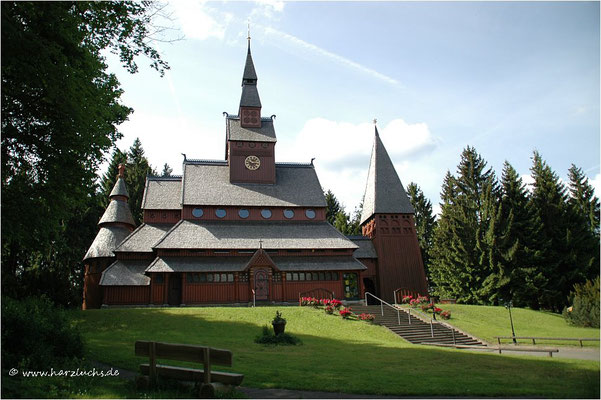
(252, 162)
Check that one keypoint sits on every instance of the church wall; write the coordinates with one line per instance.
(162, 216)
(125, 295)
(277, 213)
(399, 258)
(238, 151)
(92, 291)
(194, 293)
(294, 288)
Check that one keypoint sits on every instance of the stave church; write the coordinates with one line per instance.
(249, 229)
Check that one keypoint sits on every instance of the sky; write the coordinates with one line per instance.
(507, 78)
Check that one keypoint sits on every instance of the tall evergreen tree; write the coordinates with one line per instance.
(425, 222)
(583, 220)
(354, 226)
(517, 269)
(462, 251)
(333, 207)
(342, 222)
(549, 199)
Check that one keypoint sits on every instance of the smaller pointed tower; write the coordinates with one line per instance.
(115, 225)
(388, 219)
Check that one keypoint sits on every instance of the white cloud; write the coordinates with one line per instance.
(342, 151)
(528, 180)
(199, 21)
(329, 55)
(267, 8)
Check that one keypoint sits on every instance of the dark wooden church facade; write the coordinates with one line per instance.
(247, 227)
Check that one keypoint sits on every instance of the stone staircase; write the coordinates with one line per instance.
(418, 331)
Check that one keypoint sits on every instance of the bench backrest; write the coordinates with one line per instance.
(183, 352)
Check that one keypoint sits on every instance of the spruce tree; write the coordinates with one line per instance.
(583, 220)
(424, 222)
(550, 202)
(517, 271)
(342, 222)
(333, 207)
(167, 170)
(462, 245)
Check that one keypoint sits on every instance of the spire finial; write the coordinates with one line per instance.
(260, 243)
(375, 121)
(376, 126)
(248, 38)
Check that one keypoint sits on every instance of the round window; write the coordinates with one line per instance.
(220, 213)
(243, 213)
(266, 213)
(310, 214)
(197, 212)
(288, 213)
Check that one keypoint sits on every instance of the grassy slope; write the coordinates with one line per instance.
(336, 355)
(486, 322)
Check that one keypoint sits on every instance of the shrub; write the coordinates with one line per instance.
(346, 313)
(329, 309)
(35, 334)
(283, 339)
(445, 315)
(367, 317)
(585, 304)
(336, 304)
(407, 299)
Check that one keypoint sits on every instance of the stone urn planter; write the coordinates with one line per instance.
(278, 323)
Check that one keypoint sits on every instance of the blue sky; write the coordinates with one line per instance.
(506, 78)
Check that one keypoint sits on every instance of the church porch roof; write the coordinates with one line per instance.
(125, 273)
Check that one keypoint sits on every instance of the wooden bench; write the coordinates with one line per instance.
(499, 348)
(209, 381)
(535, 338)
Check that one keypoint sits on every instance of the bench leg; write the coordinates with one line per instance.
(499, 350)
(533, 342)
(551, 354)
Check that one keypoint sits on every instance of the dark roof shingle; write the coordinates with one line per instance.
(246, 235)
(209, 184)
(266, 133)
(106, 241)
(143, 238)
(117, 211)
(162, 194)
(125, 273)
(384, 192)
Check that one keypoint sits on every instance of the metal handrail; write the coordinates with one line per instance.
(254, 297)
(382, 302)
(424, 317)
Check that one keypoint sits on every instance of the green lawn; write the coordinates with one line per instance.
(336, 354)
(486, 322)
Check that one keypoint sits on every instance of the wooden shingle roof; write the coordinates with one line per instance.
(384, 192)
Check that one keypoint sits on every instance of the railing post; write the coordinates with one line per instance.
(431, 328)
(382, 307)
(409, 316)
(366, 299)
(453, 331)
(398, 313)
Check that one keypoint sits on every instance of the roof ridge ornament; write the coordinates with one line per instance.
(376, 126)
(121, 169)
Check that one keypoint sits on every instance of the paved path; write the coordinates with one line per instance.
(590, 353)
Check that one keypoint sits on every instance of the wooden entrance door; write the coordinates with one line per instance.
(261, 284)
(175, 289)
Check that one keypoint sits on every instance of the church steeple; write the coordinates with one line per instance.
(384, 192)
(250, 103)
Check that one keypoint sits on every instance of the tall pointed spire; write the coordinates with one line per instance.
(250, 103)
(384, 192)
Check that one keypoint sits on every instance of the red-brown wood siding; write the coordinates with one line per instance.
(399, 258)
(238, 151)
(370, 263)
(277, 213)
(293, 288)
(194, 293)
(162, 216)
(92, 291)
(126, 295)
(250, 117)
(157, 290)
